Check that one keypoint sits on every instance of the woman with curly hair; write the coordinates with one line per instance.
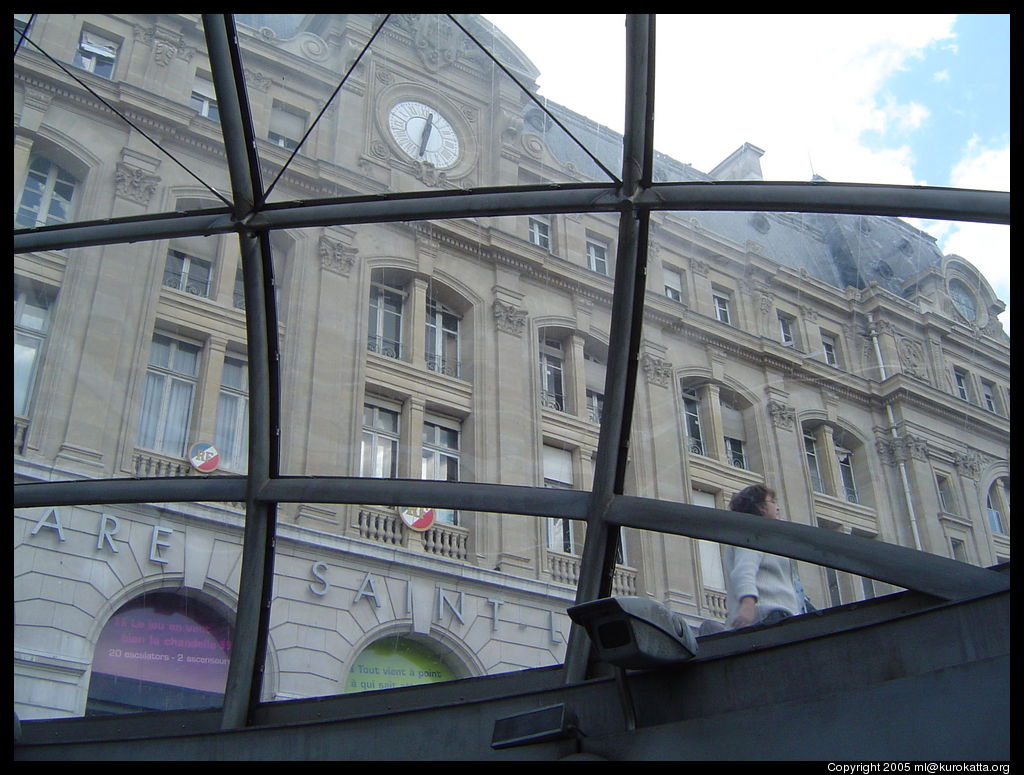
(762, 588)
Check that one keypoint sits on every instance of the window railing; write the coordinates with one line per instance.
(446, 366)
(389, 348)
(551, 400)
(181, 282)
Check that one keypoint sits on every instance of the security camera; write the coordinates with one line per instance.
(635, 633)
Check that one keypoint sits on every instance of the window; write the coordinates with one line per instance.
(21, 22)
(441, 458)
(552, 386)
(811, 452)
(442, 341)
(48, 196)
(734, 452)
(287, 126)
(183, 272)
(988, 396)
(691, 416)
(947, 501)
(722, 308)
(997, 506)
(597, 257)
(712, 573)
(595, 406)
(845, 458)
(835, 594)
(231, 437)
(830, 349)
(238, 293)
(673, 283)
(962, 382)
(32, 305)
(204, 98)
(380, 442)
(539, 229)
(96, 54)
(786, 330)
(958, 549)
(386, 308)
(168, 395)
(558, 473)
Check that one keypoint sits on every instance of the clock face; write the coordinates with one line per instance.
(424, 134)
(963, 299)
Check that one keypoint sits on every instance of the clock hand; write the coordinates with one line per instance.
(426, 134)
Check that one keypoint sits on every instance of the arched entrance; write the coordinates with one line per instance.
(160, 651)
(400, 660)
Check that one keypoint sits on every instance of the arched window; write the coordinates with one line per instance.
(835, 461)
(718, 423)
(997, 507)
(400, 660)
(48, 197)
(161, 651)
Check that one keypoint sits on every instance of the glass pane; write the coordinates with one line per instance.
(489, 376)
(877, 307)
(143, 622)
(908, 99)
(345, 619)
(129, 365)
(139, 127)
(411, 102)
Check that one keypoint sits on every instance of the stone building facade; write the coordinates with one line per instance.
(844, 361)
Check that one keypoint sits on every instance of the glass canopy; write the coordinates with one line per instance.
(347, 357)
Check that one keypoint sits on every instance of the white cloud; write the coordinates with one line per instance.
(803, 88)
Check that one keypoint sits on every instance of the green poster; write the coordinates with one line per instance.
(393, 662)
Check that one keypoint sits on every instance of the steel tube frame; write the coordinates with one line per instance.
(605, 509)
(841, 198)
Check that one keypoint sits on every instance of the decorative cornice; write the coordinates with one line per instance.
(509, 319)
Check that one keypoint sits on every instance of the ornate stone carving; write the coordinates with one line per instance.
(970, 463)
(437, 41)
(134, 184)
(509, 319)
(336, 256)
(428, 174)
(257, 81)
(782, 416)
(912, 358)
(166, 45)
(657, 370)
(699, 267)
(901, 449)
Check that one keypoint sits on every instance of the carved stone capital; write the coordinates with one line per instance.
(901, 449)
(336, 256)
(782, 416)
(166, 44)
(970, 462)
(509, 319)
(657, 370)
(134, 184)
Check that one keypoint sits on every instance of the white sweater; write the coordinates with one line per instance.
(767, 577)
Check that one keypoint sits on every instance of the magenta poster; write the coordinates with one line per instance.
(174, 641)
